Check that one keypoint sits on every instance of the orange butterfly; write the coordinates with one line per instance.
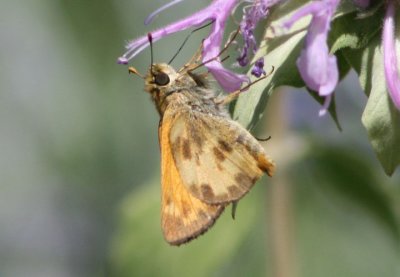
(207, 160)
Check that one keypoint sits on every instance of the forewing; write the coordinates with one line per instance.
(218, 160)
(183, 216)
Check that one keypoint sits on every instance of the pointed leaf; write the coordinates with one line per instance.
(380, 117)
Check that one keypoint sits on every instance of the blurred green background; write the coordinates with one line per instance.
(79, 163)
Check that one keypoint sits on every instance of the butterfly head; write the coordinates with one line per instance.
(160, 77)
(163, 83)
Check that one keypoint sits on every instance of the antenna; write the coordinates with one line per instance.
(150, 38)
(187, 38)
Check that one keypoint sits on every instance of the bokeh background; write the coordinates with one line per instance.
(79, 163)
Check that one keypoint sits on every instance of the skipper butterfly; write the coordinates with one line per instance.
(207, 160)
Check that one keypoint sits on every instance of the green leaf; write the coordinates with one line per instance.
(380, 117)
(355, 30)
(139, 247)
(282, 53)
(382, 121)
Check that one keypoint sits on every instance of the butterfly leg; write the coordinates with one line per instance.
(234, 207)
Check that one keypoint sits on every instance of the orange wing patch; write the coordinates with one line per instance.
(218, 160)
(183, 217)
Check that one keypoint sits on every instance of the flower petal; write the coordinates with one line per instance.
(316, 65)
(389, 55)
(311, 8)
(258, 68)
(153, 15)
(227, 79)
(318, 68)
(325, 106)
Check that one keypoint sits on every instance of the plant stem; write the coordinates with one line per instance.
(280, 212)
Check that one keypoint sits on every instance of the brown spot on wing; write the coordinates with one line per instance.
(207, 191)
(234, 191)
(218, 154)
(187, 154)
(194, 189)
(242, 179)
(225, 146)
(177, 143)
(195, 137)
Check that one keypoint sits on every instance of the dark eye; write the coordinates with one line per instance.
(161, 79)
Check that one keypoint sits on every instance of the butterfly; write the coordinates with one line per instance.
(208, 160)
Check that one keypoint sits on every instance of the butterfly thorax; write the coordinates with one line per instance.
(171, 89)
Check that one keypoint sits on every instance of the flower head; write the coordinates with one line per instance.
(252, 14)
(218, 12)
(316, 65)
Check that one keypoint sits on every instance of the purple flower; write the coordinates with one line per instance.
(258, 68)
(251, 16)
(389, 55)
(218, 12)
(317, 67)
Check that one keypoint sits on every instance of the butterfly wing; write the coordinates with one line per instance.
(183, 216)
(217, 159)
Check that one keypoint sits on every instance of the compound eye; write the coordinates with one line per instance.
(161, 79)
